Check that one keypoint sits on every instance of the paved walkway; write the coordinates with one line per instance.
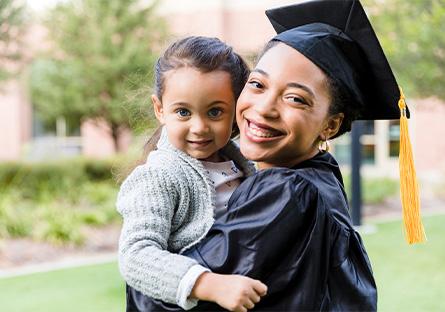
(62, 263)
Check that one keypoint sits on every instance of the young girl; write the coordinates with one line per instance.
(169, 203)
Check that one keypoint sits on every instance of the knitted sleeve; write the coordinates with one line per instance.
(147, 201)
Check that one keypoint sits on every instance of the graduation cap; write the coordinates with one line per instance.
(337, 36)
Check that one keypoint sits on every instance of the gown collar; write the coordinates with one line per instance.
(322, 161)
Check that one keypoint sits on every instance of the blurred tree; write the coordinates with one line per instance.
(102, 49)
(411, 32)
(11, 21)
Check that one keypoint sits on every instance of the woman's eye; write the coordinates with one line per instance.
(182, 112)
(255, 84)
(214, 112)
(296, 99)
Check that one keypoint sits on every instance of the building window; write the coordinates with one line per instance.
(55, 139)
(368, 153)
(342, 145)
(394, 138)
(368, 140)
(342, 149)
(368, 127)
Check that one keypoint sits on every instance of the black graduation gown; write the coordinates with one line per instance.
(289, 228)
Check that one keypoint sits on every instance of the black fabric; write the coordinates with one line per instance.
(289, 228)
(337, 36)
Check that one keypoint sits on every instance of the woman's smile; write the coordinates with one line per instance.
(278, 113)
(259, 132)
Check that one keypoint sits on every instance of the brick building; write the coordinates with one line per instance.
(243, 25)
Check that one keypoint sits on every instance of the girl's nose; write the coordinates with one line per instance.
(199, 126)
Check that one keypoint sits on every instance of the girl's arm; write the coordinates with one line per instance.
(232, 292)
(146, 202)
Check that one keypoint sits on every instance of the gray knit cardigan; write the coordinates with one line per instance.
(167, 206)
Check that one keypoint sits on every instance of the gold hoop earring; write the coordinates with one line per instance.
(323, 146)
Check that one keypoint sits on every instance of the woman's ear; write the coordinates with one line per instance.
(332, 126)
(157, 106)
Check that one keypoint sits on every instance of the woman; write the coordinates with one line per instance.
(288, 225)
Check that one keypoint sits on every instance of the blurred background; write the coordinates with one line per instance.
(75, 112)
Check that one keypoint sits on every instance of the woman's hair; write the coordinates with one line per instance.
(206, 55)
(341, 100)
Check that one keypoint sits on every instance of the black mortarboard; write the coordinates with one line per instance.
(337, 36)
(355, 58)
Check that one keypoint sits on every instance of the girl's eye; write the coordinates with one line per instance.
(255, 84)
(182, 112)
(214, 112)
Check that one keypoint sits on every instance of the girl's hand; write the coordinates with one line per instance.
(232, 292)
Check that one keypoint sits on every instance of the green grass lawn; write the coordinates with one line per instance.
(92, 288)
(409, 278)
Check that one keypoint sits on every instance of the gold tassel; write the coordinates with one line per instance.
(409, 189)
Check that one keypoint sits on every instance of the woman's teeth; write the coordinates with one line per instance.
(261, 132)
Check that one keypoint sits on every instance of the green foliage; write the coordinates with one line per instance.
(59, 226)
(57, 177)
(14, 219)
(54, 201)
(11, 22)
(411, 33)
(99, 170)
(375, 190)
(103, 51)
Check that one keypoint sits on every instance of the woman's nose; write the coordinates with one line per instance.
(267, 106)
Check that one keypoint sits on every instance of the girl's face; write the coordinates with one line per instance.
(198, 111)
(282, 112)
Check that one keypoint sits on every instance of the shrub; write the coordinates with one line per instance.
(57, 226)
(374, 190)
(57, 178)
(53, 201)
(14, 218)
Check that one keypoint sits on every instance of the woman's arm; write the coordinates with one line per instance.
(268, 215)
(266, 221)
(280, 229)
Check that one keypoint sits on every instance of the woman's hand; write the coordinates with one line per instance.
(232, 292)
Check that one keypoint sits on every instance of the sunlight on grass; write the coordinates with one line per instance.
(409, 277)
(92, 288)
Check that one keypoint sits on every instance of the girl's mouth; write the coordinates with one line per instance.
(199, 143)
(260, 132)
